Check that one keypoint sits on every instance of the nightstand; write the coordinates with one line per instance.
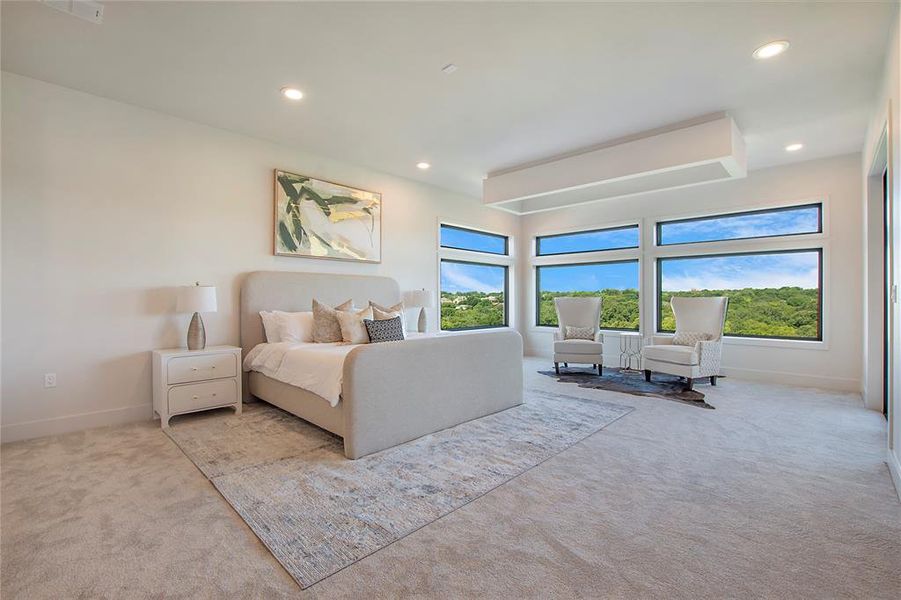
(186, 381)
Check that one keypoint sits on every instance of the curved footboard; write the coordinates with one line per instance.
(395, 392)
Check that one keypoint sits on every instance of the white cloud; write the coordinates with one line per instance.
(454, 278)
(724, 280)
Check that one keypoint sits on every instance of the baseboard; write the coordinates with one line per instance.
(843, 384)
(894, 468)
(67, 424)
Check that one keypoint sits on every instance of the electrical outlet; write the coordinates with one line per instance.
(49, 380)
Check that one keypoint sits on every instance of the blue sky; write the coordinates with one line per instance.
(798, 220)
(736, 272)
(590, 240)
(464, 277)
(471, 240)
(588, 278)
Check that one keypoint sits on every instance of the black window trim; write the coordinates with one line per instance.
(658, 227)
(506, 269)
(538, 268)
(469, 230)
(819, 250)
(600, 230)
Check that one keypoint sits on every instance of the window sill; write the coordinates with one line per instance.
(769, 342)
(727, 341)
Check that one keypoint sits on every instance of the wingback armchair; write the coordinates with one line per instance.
(583, 313)
(696, 348)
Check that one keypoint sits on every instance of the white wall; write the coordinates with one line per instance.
(107, 207)
(834, 363)
(886, 117)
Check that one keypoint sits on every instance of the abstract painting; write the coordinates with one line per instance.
(321, 219)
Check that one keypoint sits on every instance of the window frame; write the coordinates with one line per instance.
(505, 267)
(537, 289)
(658, 289)
(634, 226)
(820, 204)
(506, 238)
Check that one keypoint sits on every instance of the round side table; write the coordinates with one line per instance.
(630, 351)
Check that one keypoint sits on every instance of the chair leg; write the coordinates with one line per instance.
(647, 374)
(557, 367)
(600, 369)
(713, 380)
(689, 382)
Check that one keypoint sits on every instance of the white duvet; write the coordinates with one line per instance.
(318, 368)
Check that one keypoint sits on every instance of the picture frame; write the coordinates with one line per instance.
(316, 218)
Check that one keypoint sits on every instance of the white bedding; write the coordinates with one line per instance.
(318, 368)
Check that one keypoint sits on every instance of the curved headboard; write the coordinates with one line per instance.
(294, 292)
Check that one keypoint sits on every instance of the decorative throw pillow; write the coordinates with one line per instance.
(353, 331)
(689, 338)
(380, 313)
(326, 328)
(579, 333)
(386, 330)
(271, 326)
(296, 327)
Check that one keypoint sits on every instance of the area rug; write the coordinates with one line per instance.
(319, 512)
(662, 385)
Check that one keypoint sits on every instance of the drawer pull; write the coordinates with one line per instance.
(193, 368)
(195, 397)
(214, 395)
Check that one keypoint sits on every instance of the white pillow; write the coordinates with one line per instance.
(296, 327)
(272, 326)
(690, 338)
(353, 330)
(382, 313)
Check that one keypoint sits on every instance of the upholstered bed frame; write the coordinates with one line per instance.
(392, 392)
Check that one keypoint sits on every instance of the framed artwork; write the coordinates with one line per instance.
(321, 219)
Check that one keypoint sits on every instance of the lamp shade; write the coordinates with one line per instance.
(196, 298)
(420, 298)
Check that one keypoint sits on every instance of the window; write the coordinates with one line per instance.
(459, 238)
(615, 282)
(792, 220)
(473, 295)
(588, 241)
(775, 294)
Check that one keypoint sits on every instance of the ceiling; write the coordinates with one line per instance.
(534, 80)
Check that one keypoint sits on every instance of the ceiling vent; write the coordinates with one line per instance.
(83, 9)
(703, 150)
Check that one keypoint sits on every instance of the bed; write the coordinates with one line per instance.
(392, 392)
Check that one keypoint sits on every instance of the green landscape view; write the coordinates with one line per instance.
(463, 310)
(774, 312)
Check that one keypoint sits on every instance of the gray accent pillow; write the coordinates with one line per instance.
(689, 338)
(384, 330)
(326, 328)
(579, 333)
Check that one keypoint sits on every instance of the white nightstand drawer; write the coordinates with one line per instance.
(183, 369)
(196, 396)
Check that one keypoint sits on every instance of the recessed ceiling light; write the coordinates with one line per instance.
(771, 49)
(793, 147)
(423, 165)
(292, 93)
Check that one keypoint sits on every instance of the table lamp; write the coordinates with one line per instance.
(422, 299)
(196, 299)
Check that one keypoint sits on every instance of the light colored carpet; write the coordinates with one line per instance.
(318, 512)
(778, 493)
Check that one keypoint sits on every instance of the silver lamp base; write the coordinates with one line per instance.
(196, 333)
(423, 324)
